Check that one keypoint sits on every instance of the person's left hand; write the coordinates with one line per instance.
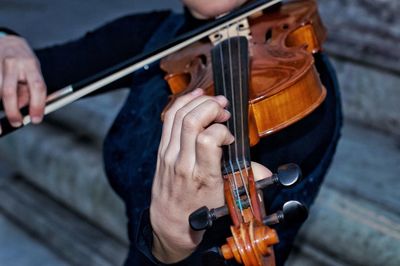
(188, 174)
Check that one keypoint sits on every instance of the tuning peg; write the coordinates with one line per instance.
(212, 257)
(203, 218)
(289, 174)
(286, 176)
(292, 212)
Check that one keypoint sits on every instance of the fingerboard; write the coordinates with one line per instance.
(230, 61)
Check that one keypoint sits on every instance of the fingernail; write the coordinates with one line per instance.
(221, 99)
(227, 113)
(16, 124)
(197, 92)
(37, 119)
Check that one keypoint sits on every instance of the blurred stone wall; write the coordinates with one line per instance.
(364, 36)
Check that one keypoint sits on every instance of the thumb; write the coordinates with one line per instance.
(260, 171)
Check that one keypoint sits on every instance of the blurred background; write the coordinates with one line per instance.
(56, 207)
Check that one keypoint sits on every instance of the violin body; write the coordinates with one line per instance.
(284, 84)
(282, 87)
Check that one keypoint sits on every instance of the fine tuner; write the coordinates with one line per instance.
(293, 211)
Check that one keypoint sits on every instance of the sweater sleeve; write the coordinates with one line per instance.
(144, 242)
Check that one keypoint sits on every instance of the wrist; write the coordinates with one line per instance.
(167, 252)
(173, 239)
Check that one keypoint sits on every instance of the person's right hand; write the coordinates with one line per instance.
(21, 80)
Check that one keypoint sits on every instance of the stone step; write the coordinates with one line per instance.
(370, 96)
(305, 254)
(364, 40)
(69, 236)
(91, 117)
(352, 231)
(15, 241)
(366, 166)
(366, 31)
(356, 217)
(70, 169)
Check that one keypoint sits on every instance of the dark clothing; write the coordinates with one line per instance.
(130, 149)
(99, 49)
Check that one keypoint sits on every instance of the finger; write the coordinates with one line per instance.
(170, 116)
(172, 145)
(209, 149)
(1, 80)
(37, 92)
(165, 161)
(23, 95)
(196, 120)
(189, 119)
(10, 100)
(260, 171)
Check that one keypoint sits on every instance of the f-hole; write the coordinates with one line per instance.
(268, 36)
(203, 59)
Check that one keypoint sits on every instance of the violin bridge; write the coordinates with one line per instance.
(240, 28)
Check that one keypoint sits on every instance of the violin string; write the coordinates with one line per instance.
(233, 184)
(232, 91)
(241, 109)
(242, 127)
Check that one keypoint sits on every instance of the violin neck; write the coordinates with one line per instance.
(231, 79)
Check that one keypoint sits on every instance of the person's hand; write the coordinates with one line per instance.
(21, 80)
(205, 9)
(188, 174)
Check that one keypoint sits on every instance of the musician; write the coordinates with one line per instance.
(165, 172)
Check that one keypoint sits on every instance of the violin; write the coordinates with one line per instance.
(144, 61)
(263, 65)
(261, 60)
